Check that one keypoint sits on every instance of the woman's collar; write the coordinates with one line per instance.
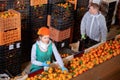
(39, 42)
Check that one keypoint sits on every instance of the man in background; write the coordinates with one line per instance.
(93, 26)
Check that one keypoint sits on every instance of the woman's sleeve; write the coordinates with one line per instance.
(33, 56)
(57, 56)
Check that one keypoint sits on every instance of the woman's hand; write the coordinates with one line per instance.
(45, 64)
(64, 69)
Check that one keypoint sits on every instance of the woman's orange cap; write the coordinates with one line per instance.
(43, 31)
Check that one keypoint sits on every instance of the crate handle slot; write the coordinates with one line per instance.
(10, 29)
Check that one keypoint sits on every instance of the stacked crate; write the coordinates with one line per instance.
(51, 3)
(82, 8)
(23, 6)
(82, 3)
(26, 39)
(10, 30)
(56, 1)
(107, 9)
(10, 39)
(62, 20)
(10, 57)
(38, 18)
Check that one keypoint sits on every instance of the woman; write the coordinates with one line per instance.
(42, 51)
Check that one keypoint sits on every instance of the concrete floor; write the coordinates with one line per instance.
(114, 30)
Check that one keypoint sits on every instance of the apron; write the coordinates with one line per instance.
(42, 57)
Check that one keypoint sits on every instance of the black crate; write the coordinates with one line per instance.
(66, 14)
(21, 6)
(39, 21)
(13, 56)
(80, 13)
(56, 1)
(14, 69)
(3, 6)
(63, 44)
(17, 4)
(10, 50)
(34, 34)
(25, 40)
(2, 64)
(10, 4)
(62, 9)
(25, 25)
(63, 19)
(10, 47)
(10, 54)
(82, 3)
(61, 24)
(50, 9)
(26, 49)
(39, 10)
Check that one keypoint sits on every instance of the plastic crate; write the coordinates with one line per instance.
(38, 2)
(62, 24)
(39, 21)
(10, 22)
(21, 4)
(62, 44)
(82, 3)
(10, 55)
(50, 9)
(56, 1)
(38, 10)
(10, 48)
(57, 35)
(14, 69)
(2, 64)
(2, 6)
(80, 13)
(9, 36)
(34, 34)
(66, 14)
(25, 25)
(57, 8)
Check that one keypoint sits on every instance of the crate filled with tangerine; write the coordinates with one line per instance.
(10, 27)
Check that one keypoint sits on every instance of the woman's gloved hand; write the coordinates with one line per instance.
(64, 69)
(45, 64)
